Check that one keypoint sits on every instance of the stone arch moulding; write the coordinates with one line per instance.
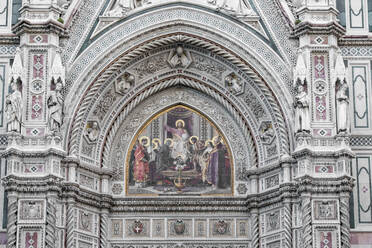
(210, 85)
(96, 64)
(109, 74)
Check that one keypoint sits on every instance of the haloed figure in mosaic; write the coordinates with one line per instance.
(13, 109)
(219, 165)
(184, 158)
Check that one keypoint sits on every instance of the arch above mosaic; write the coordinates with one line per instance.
(197, 68)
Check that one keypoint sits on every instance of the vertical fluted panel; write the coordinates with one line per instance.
(50, 230)
(103, 230)
(70, 226)
(255, 231)
(345, 222)
(12, 222)
(287, 225)
(306, 223)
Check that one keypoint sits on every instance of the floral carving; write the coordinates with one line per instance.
(104, 104)
(207, 65)
(254, 104)
(151, 65)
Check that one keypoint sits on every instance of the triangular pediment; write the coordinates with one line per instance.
(240, 10)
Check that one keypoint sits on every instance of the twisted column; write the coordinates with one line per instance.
(307, 237)
(103, 229)
(287, 225)
(345, 221)
(255, 230)
(50, 229)
(70, 225)
(12, 221)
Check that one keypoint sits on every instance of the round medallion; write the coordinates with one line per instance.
(320, 87)
(37, 86)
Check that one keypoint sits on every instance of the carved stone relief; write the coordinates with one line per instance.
(325, 210)
(137, 228)
(92, 131)
(124, 83)
(104, 104)
(272, 221)
(86, 221)
(32, 210)
(220, 228)
(234, 83)
(207, 65)
(179, 228)
(117, 228)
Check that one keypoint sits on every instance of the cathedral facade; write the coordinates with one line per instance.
(185, 123)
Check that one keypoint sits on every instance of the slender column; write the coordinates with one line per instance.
(307, 236)
(70, 224)
(50, 230)
(255, 215)
(255, 229)
(345, 220)
(103, 228)
(287, 224)
(12, 220)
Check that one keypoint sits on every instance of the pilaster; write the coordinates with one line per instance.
(322, 127)
(35, 107)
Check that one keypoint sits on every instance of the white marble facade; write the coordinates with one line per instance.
(168, 123)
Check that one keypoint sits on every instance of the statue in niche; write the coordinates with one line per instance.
(179, 58)
(301, 104)
(342, 97)
(13, 107)
(55, 106)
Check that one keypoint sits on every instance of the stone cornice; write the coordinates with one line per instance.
(308, 28)
(332, 152)
(44, 184)
(73, 161)
(50, 26)
(67, 190)
(308, 184)
(355, 40)
(9, 39)
(10, 151)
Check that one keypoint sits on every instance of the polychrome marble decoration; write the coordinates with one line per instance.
(179, 151)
